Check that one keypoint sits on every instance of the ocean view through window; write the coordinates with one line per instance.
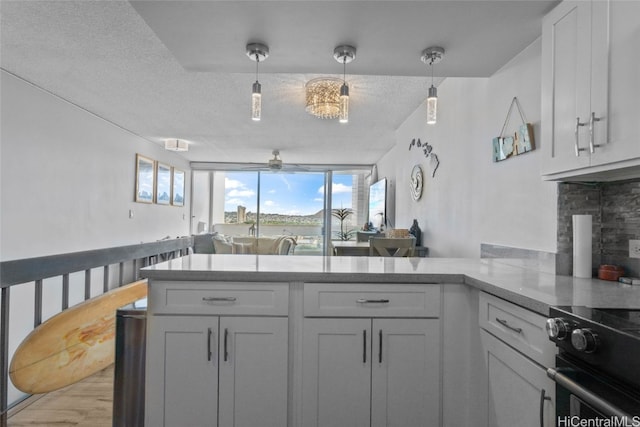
(270, 204)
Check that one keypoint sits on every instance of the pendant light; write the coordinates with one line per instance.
(344, 54)
(257, 52)
(431, 56)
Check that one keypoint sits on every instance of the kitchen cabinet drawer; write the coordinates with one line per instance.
(371, 300)
(520, 328)
(230, 298)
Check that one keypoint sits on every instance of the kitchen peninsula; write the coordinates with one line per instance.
(310, 341)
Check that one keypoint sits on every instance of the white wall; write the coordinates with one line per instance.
(67, 183)
(68, 179)
(473, 200)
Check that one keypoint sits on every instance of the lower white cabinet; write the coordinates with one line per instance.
(371, 372)
(519, 392)
(217, 371)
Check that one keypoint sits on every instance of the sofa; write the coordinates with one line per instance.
(215, 243)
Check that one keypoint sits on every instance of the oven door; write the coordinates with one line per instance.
(587, 395)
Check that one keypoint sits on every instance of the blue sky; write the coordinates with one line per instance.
(284, 193)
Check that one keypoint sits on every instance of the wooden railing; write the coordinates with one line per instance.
(36, 270)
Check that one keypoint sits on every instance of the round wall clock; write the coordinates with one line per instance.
(416, 182)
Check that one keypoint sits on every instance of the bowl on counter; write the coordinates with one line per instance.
(610, 272)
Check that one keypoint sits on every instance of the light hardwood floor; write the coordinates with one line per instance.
(88, 403)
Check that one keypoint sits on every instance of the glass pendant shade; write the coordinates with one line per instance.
(344, 103)
(432, 105)
(430, 56)
(257, 52)
(256, 102)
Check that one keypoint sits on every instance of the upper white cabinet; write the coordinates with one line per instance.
(590, 86)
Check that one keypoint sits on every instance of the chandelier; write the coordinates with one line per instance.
(323, 97)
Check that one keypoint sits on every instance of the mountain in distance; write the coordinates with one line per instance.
(271, 218)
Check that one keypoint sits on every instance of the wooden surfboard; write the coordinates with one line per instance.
(73, 344)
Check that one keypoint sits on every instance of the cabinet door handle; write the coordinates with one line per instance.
(226, 338)
(209, 333)
(543, 397)
(364, 346)
(577, 144)
(508, 326)
(372, 301)
(592, 144)
(219, 299)
(380, 347)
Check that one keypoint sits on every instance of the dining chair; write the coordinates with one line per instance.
(392, 247)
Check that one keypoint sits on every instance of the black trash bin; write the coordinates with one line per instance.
(128, 384)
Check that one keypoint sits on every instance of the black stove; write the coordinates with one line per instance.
(597, 369)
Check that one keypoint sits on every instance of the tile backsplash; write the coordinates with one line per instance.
(615, 208)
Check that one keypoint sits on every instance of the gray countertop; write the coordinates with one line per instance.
(526, 287)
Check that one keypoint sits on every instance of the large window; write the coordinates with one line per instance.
(264, 203)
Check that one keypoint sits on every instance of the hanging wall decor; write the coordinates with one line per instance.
(416, 183)
(521, 142)
(427, 151)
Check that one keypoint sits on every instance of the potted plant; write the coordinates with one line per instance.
(342, 214)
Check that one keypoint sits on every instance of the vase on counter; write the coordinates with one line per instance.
(416, 232)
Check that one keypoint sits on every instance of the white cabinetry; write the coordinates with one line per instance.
(216, 370)
(182, 375)
(517, 387)
(518, 390)
(589, 110)
(624, 84)
(368, 370)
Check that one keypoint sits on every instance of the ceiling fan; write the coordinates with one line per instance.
(275, 165)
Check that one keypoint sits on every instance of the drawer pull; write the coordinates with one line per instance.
(372, 301)
(543, 398)
(219, 299)
(507, 325)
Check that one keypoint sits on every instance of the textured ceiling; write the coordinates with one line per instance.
(165, 69)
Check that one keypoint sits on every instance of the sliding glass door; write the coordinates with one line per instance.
(271, 204)
(293, 204)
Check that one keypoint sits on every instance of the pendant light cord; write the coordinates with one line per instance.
(431, 64)
(344, 69)
(257, 63)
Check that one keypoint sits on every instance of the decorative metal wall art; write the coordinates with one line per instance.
(427, 151)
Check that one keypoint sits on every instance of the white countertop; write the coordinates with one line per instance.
(529, 288)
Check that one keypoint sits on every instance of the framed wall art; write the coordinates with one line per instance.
(163, 184)
(145, 179)
(177, 195)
